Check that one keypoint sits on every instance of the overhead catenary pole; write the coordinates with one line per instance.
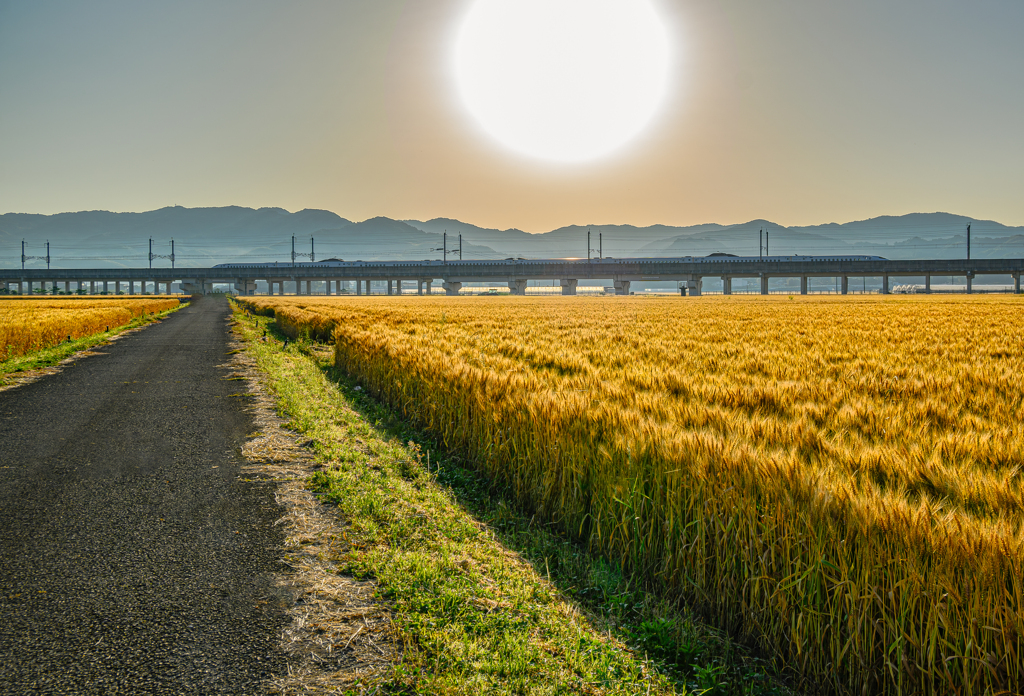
(588, 244)
(968, 242)
(460, 247)
(293, 251)
(760, 244)
(150, 252)
(172, 253)
(600, 245)
(312, 251)
(23, 254)
(47, 254)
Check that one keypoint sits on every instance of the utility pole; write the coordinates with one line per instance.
(968, 242)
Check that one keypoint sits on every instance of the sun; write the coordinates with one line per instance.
(562, 80)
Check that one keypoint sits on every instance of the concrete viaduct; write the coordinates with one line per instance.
(622, 272)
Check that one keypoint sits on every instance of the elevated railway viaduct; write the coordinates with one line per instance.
(688, 271)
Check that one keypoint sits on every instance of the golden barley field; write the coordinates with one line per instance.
(28, 324)
(836, 479)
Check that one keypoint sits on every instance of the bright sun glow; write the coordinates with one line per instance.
(562, 80)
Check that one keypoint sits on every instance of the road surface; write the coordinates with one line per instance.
(132, 559)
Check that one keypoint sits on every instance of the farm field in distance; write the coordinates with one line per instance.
(835, 479)
(34, 323)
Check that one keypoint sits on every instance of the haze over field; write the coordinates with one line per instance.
(207, 236)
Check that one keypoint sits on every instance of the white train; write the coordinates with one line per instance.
(710, 259)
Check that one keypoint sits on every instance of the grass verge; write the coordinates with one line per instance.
(48, 357)
(484, 599)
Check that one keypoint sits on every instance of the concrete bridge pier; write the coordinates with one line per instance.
(419, 287)
(970, 283)
(390, 288)
(803, 285)
(694, 287)
(1016, 283)
(568, 285)
(451, 288)
(621, 287)
(359, 287)
(67, 286)
(764, 284)
(517, 287)
(844, 285)
(726, 285)
(885, 285)
(427, 285)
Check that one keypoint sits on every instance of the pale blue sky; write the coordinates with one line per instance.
(799, 111)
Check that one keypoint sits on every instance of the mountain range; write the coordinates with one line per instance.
(206, 236)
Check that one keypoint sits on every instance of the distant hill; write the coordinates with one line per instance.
(205, 236)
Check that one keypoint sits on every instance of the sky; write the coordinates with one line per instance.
(797, 111)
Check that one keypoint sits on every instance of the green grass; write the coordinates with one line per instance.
(485, 600)
(48, 357)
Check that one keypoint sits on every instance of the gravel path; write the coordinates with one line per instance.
(132, 559)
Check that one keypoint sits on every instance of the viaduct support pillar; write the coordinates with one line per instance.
(327, 287)
(451, 288)
(844, 284)
(764, 285)
(390, 289)
(517, 287)
(67, 287)
(726, 285)
(970, 283)
(419, 287)
(885, 285)
(1016, 284)
(803, 285)
(694, 286)
(131, 287)
(427, 284)
(359, 287)
(928, 285)
(621, 287)
(92, 287)
(568, 285)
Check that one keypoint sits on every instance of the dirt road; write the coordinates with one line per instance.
(132, 559)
